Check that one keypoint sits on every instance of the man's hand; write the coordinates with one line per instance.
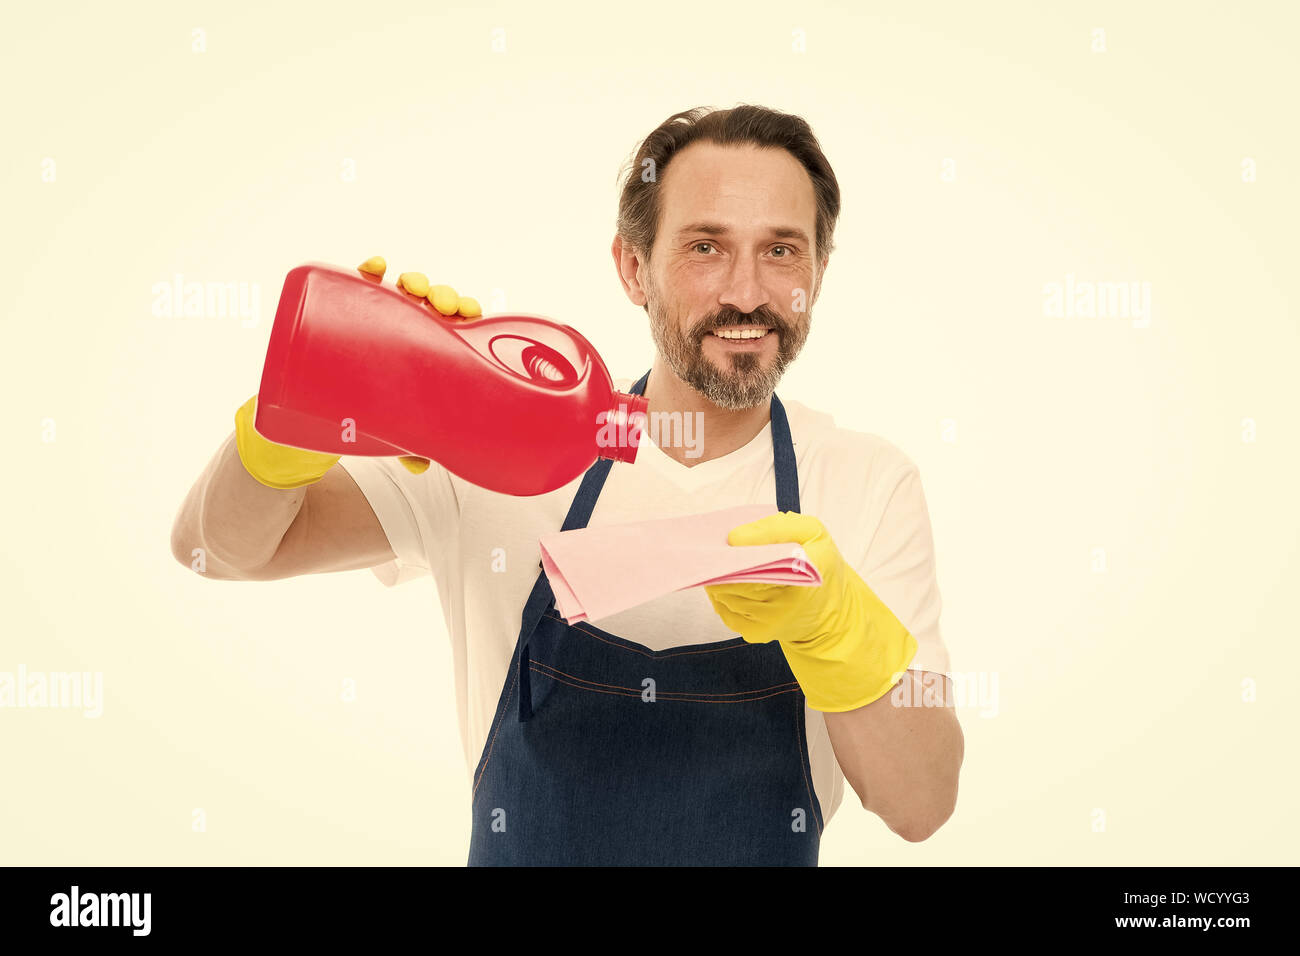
(443, 298)
(844, 646)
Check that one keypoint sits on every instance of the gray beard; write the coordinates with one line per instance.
(746, 383)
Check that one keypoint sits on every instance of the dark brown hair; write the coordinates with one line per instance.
(639, 203)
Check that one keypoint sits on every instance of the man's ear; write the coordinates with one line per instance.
(627, 263)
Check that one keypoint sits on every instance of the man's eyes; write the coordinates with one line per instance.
(788, 249)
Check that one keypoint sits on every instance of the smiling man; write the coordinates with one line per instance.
(730, 347)
(708, 726)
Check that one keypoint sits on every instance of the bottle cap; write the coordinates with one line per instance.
(621, 427)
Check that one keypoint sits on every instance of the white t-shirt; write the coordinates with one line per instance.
(481, 549)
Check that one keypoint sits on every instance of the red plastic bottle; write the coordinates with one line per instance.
(513, 403)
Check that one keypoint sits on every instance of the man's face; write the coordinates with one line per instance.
(732, 275)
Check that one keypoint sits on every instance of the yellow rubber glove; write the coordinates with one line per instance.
(275, 465)
(283, 466)
(844, 646)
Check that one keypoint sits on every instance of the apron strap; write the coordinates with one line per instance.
(783, 460)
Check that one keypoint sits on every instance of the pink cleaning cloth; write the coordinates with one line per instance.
(595, 572)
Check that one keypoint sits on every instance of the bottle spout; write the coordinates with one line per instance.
(621, 428)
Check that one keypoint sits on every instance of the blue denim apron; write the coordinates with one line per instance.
(604, 752)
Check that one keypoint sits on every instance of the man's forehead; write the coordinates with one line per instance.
(737, 187)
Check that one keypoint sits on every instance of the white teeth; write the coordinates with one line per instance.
(740, 334)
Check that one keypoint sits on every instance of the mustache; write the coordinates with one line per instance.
(728, 317)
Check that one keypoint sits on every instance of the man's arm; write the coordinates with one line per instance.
(851, 654)
(902, 753)
(250, 532)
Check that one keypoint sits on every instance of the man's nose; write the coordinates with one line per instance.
(744, 290)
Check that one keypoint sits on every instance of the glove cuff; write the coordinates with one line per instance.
(852, 667)
(277, 466)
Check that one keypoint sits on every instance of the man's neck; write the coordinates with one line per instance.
(716, 431)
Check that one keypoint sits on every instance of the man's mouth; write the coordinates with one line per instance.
(742, 336)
